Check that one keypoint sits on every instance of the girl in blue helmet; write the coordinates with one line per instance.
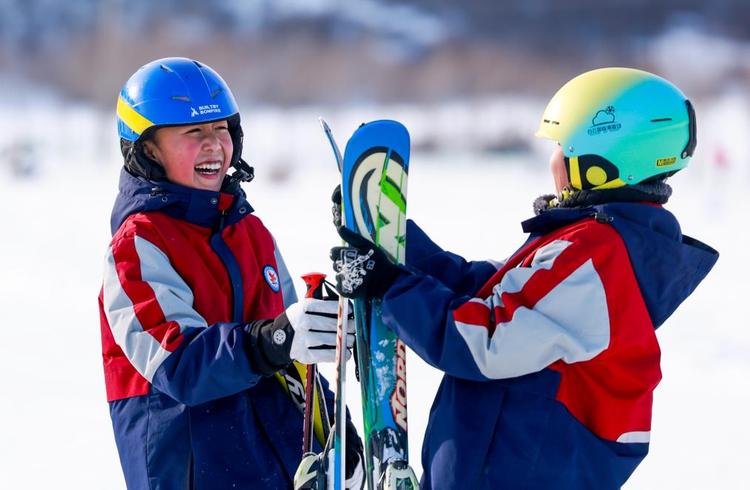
(551, 357)
(201, 327)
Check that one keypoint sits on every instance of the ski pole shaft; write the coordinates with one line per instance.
(314, 283)
(309, 426)
(339, 425)
(337, 482)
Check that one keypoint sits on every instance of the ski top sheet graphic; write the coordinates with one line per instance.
(377, 187)
(374, 185)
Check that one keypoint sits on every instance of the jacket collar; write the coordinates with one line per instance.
(667, 264)
(196, 206)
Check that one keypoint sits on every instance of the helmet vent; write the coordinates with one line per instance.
(182, 98)
(216, 92)
(166, 68)
(663, 119)
(197, 64)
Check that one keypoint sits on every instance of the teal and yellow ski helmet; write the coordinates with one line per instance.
(620, 126)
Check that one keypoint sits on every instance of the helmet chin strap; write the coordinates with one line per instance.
(242, 171)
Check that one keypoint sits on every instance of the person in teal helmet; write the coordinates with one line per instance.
(551, 357)
(204, 343)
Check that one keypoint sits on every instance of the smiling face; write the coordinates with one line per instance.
(196, 156)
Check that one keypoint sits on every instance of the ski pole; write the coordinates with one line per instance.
(314, 283)
(337, 482)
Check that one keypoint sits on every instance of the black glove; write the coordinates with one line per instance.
(268, 344)
(363, 270)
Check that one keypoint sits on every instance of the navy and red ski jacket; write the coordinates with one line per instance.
(551, 357)
(185, 271)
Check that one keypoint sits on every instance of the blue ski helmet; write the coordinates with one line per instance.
(173, 92)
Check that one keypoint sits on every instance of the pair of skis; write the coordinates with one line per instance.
(374, 172)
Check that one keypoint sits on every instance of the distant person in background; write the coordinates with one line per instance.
(551, 357)
(199, 317)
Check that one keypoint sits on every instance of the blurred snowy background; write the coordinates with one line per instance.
(469, 80)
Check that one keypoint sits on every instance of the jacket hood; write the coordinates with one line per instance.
(204, 208)
(667, 264)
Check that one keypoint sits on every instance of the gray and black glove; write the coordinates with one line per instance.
(305, 332)
(363, 270)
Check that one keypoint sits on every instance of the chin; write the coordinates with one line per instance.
(209, 184)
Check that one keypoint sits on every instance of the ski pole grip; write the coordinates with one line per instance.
(314, 282)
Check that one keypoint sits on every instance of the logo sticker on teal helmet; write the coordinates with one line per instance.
(604, 121)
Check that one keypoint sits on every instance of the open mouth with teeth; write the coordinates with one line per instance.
(209, 168)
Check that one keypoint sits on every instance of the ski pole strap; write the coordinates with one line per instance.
(314, 282)
(325, 417)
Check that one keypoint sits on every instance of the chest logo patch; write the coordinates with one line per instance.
(272, 278)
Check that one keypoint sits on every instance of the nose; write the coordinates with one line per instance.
(211, 141)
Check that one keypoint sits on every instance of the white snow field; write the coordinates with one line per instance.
(54, 423)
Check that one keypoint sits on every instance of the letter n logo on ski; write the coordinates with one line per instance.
(398, 398)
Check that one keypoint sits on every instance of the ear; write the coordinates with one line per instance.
(151, 150)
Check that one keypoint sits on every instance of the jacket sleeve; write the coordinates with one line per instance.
(456, 273)
(149, 310)
(553, 309)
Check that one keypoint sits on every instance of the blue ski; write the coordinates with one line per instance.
(374, 184)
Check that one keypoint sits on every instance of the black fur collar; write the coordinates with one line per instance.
(657, 192)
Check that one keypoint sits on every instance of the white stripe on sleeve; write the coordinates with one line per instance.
(570, 323)
(287, 285)
(638, 437)
(173, 294)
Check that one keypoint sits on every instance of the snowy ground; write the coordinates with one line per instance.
(54, 424)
